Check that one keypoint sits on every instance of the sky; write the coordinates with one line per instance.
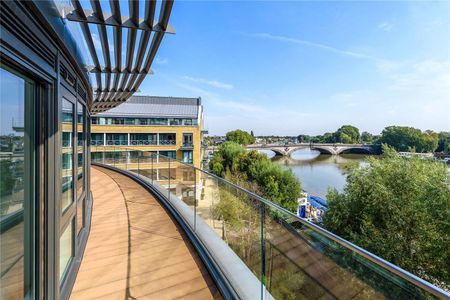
(289, 68)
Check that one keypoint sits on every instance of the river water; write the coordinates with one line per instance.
(317, 172)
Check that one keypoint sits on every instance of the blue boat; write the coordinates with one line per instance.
(316, 204)
(319, 200)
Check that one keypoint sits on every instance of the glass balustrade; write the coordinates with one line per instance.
(291, 257)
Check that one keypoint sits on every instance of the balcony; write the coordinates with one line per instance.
(117, 142)
(135, 249)
(253, 249)
(166, 142)
(187, 146)
(143, 142)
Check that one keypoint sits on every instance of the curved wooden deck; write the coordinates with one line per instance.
(135, 250)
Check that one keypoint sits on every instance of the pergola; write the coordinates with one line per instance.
(121, 79)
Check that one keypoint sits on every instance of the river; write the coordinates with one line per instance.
(317, 172)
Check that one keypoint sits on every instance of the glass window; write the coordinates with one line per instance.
(158, 121)
(118, 121)
(171, 154)
(187, 139)
(130, 121)
(187, 157)
(65, 250)
(142, 121)
(81, 145)
(105, 121)
(97, 139)
(16, 185)
(80, 215)
(116, 139)
(175, 121)
(67, 155)
(143, 139)
(167, 138)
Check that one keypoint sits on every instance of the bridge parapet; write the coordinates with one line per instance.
(333, 149)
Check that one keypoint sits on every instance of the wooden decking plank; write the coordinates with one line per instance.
(135, 249)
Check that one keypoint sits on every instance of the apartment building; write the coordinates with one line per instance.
(169, 126)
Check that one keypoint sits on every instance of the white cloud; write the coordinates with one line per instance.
(213, 83)
(386, 26)
(425, 75)
(297, 41)
(161, 61)
(98, 44)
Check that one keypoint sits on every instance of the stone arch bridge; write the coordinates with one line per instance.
(333, 149)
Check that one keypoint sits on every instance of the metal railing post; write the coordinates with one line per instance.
(263, 249)
(169, 179)
(195, 199)
(139, 171)
(152, 169)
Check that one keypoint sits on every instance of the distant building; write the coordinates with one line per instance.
(169, 126)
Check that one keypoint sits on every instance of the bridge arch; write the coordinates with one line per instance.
(325, 150)
(279, 152)
(356, 150)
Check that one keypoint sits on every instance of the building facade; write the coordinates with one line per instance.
(168, 126)
(46, 101)
(44, 156)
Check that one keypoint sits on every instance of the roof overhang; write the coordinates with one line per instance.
(128, 76)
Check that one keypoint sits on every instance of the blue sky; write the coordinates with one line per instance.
(287, 68)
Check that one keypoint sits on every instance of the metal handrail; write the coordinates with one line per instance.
(166, 142)
(415, 280)
(143, 142)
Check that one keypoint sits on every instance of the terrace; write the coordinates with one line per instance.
(142, 247)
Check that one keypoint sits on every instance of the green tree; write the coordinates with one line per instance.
(328, 137)
(347, 134)
(398, 209)
(278, 185)
(239, 136)
(304, 138)
(443, 142)
(403, 138)
(367, 137)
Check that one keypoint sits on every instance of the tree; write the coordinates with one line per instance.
(252, 134)
(398, 209)
(367, 137)
(443, 142)
(403, 138)
(328, 137)
(276, 184)
(347, 134)
(304, 138)
(239, 136)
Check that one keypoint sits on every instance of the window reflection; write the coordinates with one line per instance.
(67, 154)
(16, 189)
(81, 137)
(65, 250)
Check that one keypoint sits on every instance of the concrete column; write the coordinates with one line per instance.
(104, 139)
(128, 139)
(157, 140)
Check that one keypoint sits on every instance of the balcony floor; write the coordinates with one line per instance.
(135, 250)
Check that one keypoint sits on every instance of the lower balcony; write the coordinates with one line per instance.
(135, 249)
